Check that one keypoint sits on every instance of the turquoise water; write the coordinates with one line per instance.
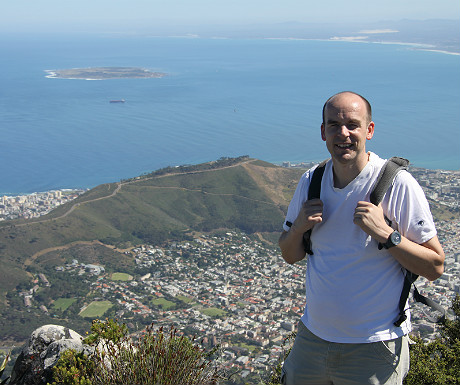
(222, 97)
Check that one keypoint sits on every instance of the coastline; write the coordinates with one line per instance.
(103, 73)
(28, 206)
(54, 75)
(362, 39)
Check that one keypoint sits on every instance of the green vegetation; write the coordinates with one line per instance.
(164, 303)
(109, 329)
(96, 309)
(63, 304)
(249, 348)
(157, 358)
(73, 368)
(184, 299)
(438, 362)
(214, 312)
(121, 277)
(220, 163)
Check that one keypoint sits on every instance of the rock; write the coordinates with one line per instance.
(41, 352)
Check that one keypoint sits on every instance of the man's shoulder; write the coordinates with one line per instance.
(404, 177)
(376, 160)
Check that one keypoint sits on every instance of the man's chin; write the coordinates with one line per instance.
(344, 157)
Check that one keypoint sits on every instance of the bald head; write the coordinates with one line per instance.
(353, 97)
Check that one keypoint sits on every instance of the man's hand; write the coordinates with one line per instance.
(291, 242)
(310, 214)
(372, 221)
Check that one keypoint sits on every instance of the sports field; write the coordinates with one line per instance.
(96, 309)
(121, 277)
(63, 303)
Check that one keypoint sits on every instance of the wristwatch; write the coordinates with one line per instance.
(393, 240)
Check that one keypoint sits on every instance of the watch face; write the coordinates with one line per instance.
(395, 238)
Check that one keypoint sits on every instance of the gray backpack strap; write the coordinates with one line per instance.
(385, 178)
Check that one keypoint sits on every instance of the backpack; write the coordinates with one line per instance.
(384, 181)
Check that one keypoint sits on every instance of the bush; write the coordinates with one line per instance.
(156, 358)
(438, 362)
(73, 369)
(109, 330)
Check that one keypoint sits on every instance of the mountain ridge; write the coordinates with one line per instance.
(235, 193)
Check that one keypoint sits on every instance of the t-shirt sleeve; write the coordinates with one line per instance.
(297, 201)
(409, 209)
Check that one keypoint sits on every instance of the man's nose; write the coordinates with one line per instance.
(343, 130)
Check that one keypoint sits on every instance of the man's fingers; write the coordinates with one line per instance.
(313, 202)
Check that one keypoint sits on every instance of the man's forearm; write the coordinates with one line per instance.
(291, 245)
(426, 260)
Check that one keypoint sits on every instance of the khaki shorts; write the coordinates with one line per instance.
(313, 361)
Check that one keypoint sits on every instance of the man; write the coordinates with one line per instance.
(347, 333)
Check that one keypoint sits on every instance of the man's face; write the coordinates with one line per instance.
(346, 128)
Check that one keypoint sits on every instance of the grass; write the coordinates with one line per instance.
(251, 348)
(121, 277)
(96, 309)
(63, 303)
(184, 299)
(164, 303)
(214, 312)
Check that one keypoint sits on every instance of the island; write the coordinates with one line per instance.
(103, 73)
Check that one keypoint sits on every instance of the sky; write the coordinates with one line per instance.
(88, 15)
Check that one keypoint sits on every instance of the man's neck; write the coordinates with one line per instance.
(344, 173)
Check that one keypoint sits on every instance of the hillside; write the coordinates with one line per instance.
(245, 194)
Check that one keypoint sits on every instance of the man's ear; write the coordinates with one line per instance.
(370, 130)
(323, 135)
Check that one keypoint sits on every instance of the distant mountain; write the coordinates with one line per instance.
(245, 194)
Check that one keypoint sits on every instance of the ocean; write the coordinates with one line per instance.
(221, 97)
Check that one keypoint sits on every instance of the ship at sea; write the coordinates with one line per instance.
(118, 101)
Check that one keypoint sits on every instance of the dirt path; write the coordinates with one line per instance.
(120, 185)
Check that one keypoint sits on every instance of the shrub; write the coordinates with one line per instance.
(109, 330)
(438, 362)
(73, 368)
(156, 358)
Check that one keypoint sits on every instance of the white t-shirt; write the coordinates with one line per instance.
(352, 287)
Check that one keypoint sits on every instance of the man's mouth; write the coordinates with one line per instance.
(345, 145)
